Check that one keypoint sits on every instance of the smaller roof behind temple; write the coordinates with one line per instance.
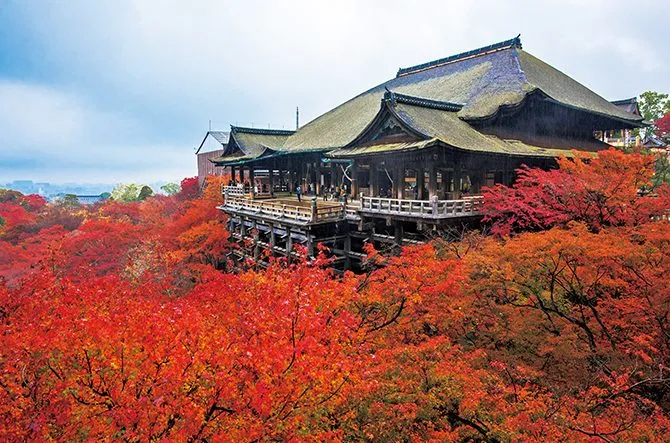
(628, 105)
(213, 141)
(247, 144)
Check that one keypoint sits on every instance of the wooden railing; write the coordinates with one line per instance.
(281, 210)
(237, 190)
(422, 208)
(235, 198)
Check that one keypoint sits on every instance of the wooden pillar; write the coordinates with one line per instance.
(457, 178)
(420, 181)
(432, 184)
(310, 245)
(252, 177)
(374, 179)
(232, 173)
(347, 250)
(289, 243)
(257, 249)
(398, 232)
(242, 174)
(399, 181)
(353, 172)
(271, 179)
(273, 239)
(333, 175)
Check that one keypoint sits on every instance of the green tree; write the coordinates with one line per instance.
(125, 192)
(653, 105)
(145, 193)
(171, 188)
(69, 201)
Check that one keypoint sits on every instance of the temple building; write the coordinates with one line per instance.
(411, 154)
(212, 146)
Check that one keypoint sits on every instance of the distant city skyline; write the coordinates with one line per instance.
(49, 189)
(124, 91)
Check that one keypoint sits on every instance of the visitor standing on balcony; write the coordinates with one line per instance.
(298, 191)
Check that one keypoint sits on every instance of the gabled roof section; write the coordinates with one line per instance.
(433, 125)
(566, 91)
(482, 81)
(220, 137)
(252, 143)
(628, 105)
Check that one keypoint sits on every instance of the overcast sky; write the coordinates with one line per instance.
(123, 90)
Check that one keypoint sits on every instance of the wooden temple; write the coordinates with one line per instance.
(408, 156)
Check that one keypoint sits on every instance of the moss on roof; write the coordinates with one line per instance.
(564, 89)
(358, 151)
(482, 83)
(224, 159)
(445, 127)
(255, 144)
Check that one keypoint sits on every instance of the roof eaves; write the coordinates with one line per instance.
(637, 122)
(514, 42)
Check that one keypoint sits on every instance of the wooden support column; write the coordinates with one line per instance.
(281, 179)
(347, 250)
(353, 173)
(257, 250)
(420, 181)
(333, 175)
(399, 181)
(457, 178)
(310, 245)
(241, 174)
(271, 179)
(252, 176)
(289, 243)
(301, 175)
(432, 184)
(374, 179)
(273, 239)
(398, 231)
(232, 173)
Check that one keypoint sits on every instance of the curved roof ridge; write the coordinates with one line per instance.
(514, 42)
(261, 131)
(395, 97)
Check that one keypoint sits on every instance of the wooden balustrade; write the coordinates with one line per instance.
(422, 208)
(311, 211)
(282, 210)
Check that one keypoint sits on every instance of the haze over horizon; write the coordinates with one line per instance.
(123, 91)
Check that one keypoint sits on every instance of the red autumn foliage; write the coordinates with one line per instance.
(125, 326)
(663, 125)
(189, 189)
(602, 191)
